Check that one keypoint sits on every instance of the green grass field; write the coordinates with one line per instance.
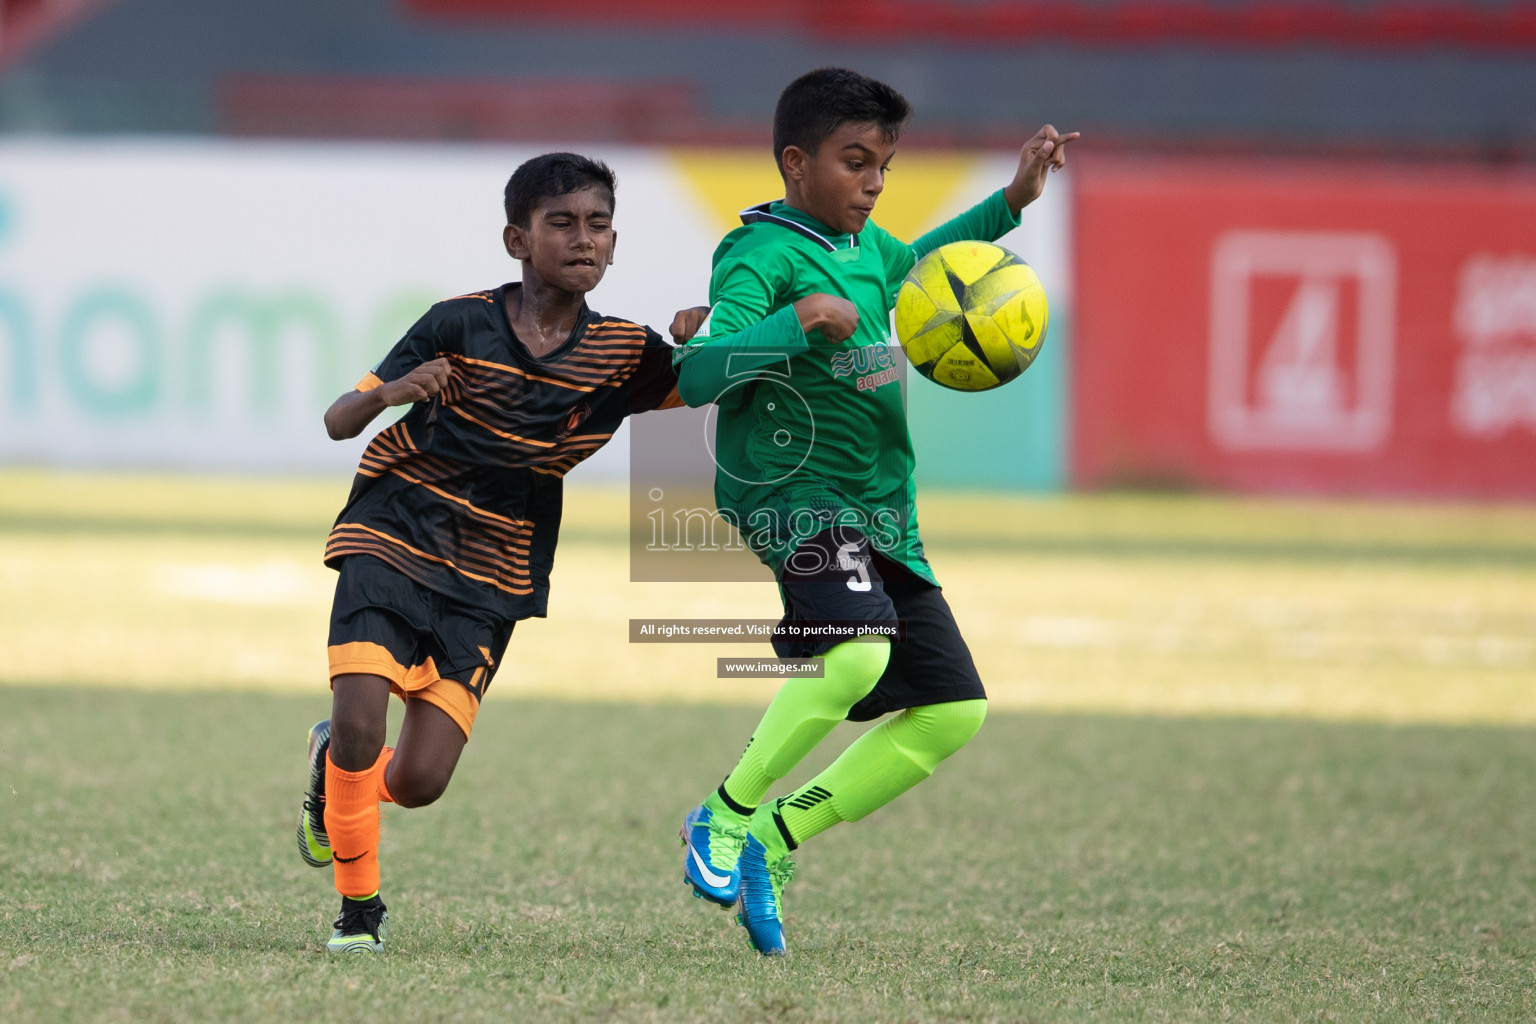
(1257, 761)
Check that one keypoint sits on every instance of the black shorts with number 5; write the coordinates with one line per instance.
(836, 577)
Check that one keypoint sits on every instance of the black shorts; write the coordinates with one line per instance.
(429, 647)
(837, 578)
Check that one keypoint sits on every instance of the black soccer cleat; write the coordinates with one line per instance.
(360, 926)
(314, 844)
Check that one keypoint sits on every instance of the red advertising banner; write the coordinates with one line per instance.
(1319, 329)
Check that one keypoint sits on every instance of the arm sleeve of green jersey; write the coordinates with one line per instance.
(744, 340)
(708, 367)
(987, 221)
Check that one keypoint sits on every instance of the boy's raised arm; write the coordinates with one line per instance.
(745, 340)
(1045, 152)
(998, 214)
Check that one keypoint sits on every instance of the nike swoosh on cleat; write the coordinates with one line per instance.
(350, 860)
(718, 881)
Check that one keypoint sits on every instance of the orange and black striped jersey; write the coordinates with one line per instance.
(463, 494)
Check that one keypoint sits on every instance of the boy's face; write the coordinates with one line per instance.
(839, 183)
(568, 243)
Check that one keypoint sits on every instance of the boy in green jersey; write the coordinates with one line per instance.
(814, 467)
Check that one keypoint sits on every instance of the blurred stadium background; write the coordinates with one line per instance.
(1294, 254)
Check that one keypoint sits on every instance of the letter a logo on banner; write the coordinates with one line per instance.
(1303, 326)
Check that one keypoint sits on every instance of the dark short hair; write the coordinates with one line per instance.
(553, 174)
(819, 102)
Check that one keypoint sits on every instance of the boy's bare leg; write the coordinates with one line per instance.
(359, 713)
(360, 772)
(425, 755)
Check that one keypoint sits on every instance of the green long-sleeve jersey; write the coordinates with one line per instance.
(813, 433)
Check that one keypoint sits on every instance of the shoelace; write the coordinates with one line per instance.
(782, 873)
(315, 807)
(355, 919)
(734, 832)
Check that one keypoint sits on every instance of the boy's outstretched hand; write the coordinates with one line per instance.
(1044, 153)
(687, 323)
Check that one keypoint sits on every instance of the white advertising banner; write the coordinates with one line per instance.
(198, 304)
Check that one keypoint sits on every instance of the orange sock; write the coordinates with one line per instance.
(352, 821)
(385, 756)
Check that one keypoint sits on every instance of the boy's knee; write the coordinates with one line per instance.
(359, 709)
(857, 665)
(416, 789)
(962, 717)
(356, 741)
(948, 727)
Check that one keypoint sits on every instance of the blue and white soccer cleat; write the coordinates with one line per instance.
(713, 849)
(760, 907)
(314, 844)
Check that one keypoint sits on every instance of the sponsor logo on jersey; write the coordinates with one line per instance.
(572, 421)
(871, 365)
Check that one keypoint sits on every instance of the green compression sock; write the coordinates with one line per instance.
(802, 713)
(881, 765)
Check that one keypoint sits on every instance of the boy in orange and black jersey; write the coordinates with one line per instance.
(449, 534)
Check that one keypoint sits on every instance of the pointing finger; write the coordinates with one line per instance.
(1059, 157)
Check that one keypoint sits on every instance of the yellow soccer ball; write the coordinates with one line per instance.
(971, 316)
